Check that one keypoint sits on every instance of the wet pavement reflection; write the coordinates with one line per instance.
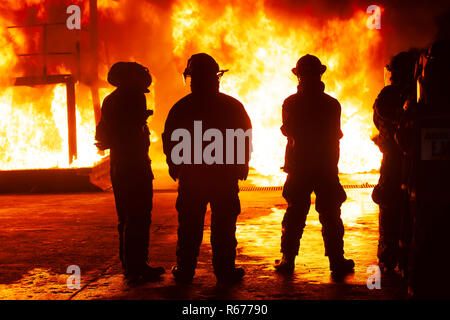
(43, 234)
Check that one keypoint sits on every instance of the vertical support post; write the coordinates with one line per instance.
(78, 55)
(96, 103)
(44, 48)
(93, 18)
(71, 119)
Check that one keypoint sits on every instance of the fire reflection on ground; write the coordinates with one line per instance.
(47, 233)
(260, 237)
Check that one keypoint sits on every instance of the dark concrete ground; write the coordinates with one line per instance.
(41, 235)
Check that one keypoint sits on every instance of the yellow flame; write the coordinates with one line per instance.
(258, 49)
(260, 53)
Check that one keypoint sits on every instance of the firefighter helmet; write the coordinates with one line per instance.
(130, 74)
(309, 65)
(202, 64)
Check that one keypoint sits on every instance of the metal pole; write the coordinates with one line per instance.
(71, 119)
(78, 55)
(44, 48)
(95, 59)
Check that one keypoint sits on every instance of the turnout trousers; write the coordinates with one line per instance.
(191, 205)
(133, 193)
(329, 197)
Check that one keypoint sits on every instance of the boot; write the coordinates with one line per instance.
(152, 272)
(233, 276)
(182, 275)
(286, 265)
(341, 266)
(144, 274)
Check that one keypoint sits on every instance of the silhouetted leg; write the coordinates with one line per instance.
(137, 224)
(388, 195)
(191, 215)
(405, 237)
(329, 197)
(225, 211)
(332, 231)
(146, 206)
(121, 213)
(390, 229)
(298, 197)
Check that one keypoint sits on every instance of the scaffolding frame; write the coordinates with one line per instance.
(46, 79)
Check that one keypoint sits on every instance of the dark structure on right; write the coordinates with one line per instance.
(424, 137)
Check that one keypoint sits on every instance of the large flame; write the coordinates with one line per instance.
(260, 53)
(258, 48)
(33, 120)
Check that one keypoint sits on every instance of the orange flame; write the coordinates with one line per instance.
(259, 50)
(260, 53)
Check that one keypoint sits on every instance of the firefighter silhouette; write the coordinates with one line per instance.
(311, 123)
(123, 129)
(200, 184)
(388, 193)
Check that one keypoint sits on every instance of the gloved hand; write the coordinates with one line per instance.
(101, 145)
(148, 113)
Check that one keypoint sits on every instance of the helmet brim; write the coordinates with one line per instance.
(323, 68)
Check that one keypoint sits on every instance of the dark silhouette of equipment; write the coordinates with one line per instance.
(424, 136)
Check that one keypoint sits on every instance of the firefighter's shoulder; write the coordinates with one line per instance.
(109, 101)
(330, 99)
(387, 94)
(231, 104)
(291, 100)
(331, 103)
(182, 104)
(229, 100)
(187, 99)
(111, 96)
